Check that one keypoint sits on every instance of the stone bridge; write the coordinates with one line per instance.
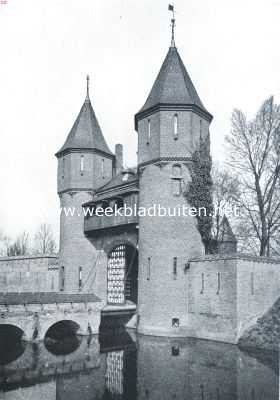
(35, 313)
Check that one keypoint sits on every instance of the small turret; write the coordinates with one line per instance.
(227, 242)
(85, 163)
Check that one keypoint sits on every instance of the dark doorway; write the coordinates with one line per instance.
(122, 275)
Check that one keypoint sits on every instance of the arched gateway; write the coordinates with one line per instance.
(122, 278)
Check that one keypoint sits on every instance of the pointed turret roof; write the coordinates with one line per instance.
(173, 87)
(226, 234)
(86, 133)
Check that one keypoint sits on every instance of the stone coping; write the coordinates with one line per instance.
(21, 298)
(237, 256)
(28, 257)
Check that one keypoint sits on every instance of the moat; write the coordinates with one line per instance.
(120, 365)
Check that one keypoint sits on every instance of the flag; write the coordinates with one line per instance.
(170, 7)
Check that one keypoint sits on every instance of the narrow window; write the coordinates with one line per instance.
(175, 350)
(174, 267)
(62, 278)
(149, 132)
(175, 322)
(80, 278)
(219, 283)
(52, 283)
(200, 127)
(82, 164)
(176, 179)
(176, 171)
(149, 269)
(63, 167)
(102, 168)
(176, 187)
(175, 126)
(252, 283)
(202, 283)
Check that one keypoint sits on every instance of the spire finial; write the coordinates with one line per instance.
(87, 97)
(171, 8)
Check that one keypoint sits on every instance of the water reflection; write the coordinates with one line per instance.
(119, 365)
(64, 346)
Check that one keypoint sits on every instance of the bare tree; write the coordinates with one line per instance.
(44, 240)
(2, 244)
(255, 158)
(18, 247)
(225, 197)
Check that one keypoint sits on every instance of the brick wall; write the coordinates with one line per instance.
(75, 249)
(258, 282)
(212, 299)
(162, 142)
(94, 175)
(162, 297)
(29, 274)
(227, 294)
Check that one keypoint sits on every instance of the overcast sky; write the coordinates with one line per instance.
(230, 49)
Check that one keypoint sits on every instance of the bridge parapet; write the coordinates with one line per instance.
(35, 313)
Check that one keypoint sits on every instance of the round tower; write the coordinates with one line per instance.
(85, 163)
(171, 125)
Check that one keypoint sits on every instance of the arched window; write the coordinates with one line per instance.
(175, 126)
(82, 164)
(174, 267)
(149, 131)
(202, 283)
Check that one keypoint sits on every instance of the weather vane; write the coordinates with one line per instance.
(171, 8)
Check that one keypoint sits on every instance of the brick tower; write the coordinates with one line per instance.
(84, 164)
(171, 125)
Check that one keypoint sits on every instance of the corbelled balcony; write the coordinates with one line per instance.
(95, 223)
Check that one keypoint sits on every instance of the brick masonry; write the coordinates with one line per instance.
(180, 291)
(29, 274)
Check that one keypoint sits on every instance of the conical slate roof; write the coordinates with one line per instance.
(173, 85)
(86, 132)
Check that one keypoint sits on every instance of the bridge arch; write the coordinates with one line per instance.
(11, 345)
(12, 328)
(62, 328)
